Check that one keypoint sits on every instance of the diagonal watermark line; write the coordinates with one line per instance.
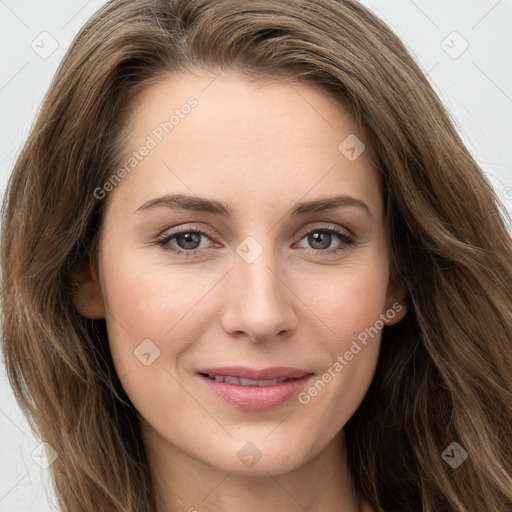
(432, 68)
(280, 423)
(14, 486)
(14, 424)
(76, 14)
(13, 77)
(310, 105)
(303, 195)
(183, 316)
(217, 486)
(424, 14)
(492, 81)
(285, 490)
(107, 312)
(211, 82)
(166, 166)
(301, 300)
(223, 223)
(486, 14)
(4, 4)
(124, 375)
(199, 403)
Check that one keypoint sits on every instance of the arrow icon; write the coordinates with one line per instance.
(454, 45)
(44, 44)
(351, 147)
(249, 253)
(454, 455)
(450, 456)
(146, 352)
(249, 455)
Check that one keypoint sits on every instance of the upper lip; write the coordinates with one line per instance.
(245, 372)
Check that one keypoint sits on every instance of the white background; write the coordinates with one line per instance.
(476, 87)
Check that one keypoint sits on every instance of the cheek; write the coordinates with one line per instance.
(147, 304)
(351, 307)
(350, 300)
(165, 304)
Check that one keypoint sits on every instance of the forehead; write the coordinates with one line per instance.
(208, 133)
(233, 98)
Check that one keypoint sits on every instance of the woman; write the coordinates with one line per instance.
(175, 324)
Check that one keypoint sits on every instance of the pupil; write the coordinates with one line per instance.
(188, 238)
(316, 237)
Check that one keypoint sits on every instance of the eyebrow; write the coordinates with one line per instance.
(201, 204)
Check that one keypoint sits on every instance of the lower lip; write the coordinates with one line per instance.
(257, 398)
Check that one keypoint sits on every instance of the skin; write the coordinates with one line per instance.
(260, 148)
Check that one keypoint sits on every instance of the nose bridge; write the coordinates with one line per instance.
(259, 285)
(259, 303)
(258, 282)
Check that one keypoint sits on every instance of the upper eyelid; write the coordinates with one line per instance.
(191, 227)
(328, 227)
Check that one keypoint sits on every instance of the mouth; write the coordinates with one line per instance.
(255, 389)
(241, 381)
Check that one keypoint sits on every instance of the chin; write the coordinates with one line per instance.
(259, 458)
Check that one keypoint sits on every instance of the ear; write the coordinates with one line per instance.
(396, 300)
(87, 298)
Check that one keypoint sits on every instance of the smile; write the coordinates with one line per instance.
(241, 381)
(253, 389)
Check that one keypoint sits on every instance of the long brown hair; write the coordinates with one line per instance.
(444, 372)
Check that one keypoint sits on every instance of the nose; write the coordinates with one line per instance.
(260, 305)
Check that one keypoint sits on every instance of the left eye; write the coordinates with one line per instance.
(188, 242)
(320, 239)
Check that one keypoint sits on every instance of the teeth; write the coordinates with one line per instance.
(246, 382)
(250, 382)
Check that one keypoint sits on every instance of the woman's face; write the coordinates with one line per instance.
(246, 241)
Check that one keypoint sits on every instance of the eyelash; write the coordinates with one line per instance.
(346, 239)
